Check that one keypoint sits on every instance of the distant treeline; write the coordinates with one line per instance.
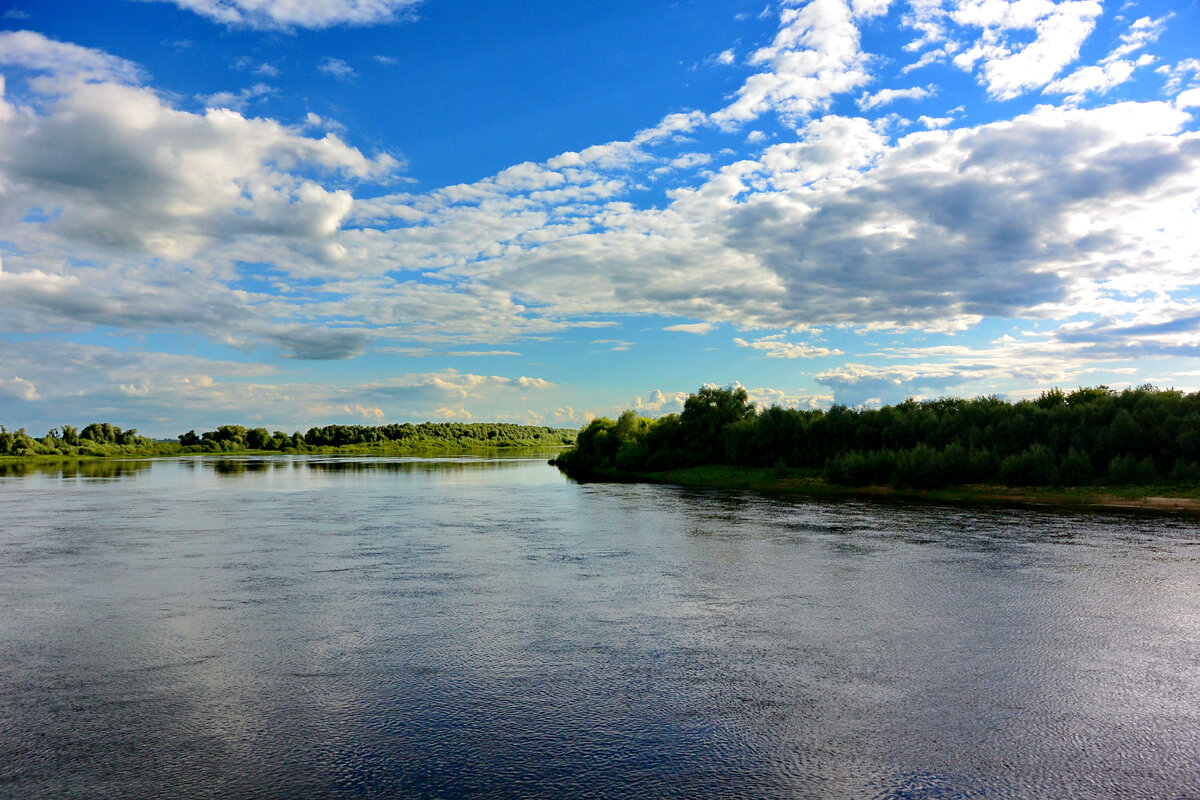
(1088, 436)
(104, 439)
(96, 439)
(426, 435)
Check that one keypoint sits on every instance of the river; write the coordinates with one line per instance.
(484, 627)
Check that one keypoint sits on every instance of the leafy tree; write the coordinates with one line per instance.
(706, 415)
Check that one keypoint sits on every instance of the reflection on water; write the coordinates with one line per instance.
(352, 627)
(100, 468)
(238, 465)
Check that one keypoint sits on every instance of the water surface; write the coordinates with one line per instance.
(473, 627)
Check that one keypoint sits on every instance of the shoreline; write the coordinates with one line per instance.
(49, 461)
(319, 450)
(1121, 499)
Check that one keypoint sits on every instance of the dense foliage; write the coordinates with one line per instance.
(104, 439)
(424, 436)
(96, 439)
(1136, 436)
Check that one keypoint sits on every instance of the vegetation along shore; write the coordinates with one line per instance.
(1137, 448)
(103, 440)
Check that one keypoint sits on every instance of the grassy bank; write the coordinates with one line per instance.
(1172, 498)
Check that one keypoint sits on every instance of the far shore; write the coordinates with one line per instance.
(345, 450)
(1159, 499)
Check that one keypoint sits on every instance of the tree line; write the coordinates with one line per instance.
(1091, 435)
(96, 439)
(105, 439)
(431, 435)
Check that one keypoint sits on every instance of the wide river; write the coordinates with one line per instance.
(486, 628)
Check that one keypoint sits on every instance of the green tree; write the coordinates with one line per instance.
(705, 417)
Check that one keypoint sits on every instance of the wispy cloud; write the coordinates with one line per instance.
(775, 346)
(698, 328)
(268, 14)
(336, 68)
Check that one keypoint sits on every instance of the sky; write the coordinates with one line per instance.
(281, 213)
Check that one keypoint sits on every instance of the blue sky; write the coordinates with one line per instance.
(287, 214)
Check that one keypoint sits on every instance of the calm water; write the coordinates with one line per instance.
(486, 628)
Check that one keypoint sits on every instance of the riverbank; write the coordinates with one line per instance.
(102, 465)
(1170, 499)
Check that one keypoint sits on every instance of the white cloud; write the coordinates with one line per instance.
(814, 56)
(336, 68)
(291, 14)
(775, 347)
(1114, 69)
(698, 328)
(123, 169)
(765, 397)
(658, 403)
(842, 227)
(1142, 32)
(886, 96)
(1011, 67)
(934, 122)
(36, 52)
(870, 8)
(1020, 45)
(1188, 99)
(237, 101)
(165, 394)
(18, 387)
(1187, 70)
(1096, 79)
(128, 212)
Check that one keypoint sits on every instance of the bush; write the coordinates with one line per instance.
(1075, 469)
(1128, 469)
(922, 467)
(1034, 467)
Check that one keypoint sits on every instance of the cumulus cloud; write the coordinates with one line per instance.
(19, 388)
(929, 123)
(1010, 66)
(765, 397)
(775, 347)
(237, 101)
(886, 96)
(1018, 46)
(36, 52)
(120, 168)
(1188, 99)
(163, 394)
(658, 403)
(127, 211)
(1114, 69)
(842, 227)
(1180, 73)
(119, 177)
(269, 14)
(860, 384)
(815, 56)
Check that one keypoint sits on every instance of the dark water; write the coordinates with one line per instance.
(472, 628)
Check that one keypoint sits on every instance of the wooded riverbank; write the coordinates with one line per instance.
(1138, 448)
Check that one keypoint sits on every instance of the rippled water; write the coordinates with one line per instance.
(485, 628)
